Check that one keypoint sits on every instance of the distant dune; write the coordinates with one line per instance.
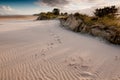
(18, 17)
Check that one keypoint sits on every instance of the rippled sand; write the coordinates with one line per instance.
(42, 50)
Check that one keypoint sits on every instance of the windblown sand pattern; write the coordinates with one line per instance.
(42, 50)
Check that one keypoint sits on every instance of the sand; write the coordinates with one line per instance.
(42, 50)
(17, 17)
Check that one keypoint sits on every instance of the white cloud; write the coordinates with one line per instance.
(7, 10)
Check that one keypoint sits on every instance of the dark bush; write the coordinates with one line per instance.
(106, 11)
(56, 11)
(76, 14)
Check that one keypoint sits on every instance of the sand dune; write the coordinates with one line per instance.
(42, 50)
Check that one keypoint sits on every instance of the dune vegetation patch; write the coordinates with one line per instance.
(104, 23)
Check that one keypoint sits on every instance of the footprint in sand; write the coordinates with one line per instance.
(117, 58)
(84, 67)
(72, 62)
(56, 37)
(87, 74)
(43, 52)
(51, 43)
(48, 47)
(59, 41)
(35, 55)
(78, 64)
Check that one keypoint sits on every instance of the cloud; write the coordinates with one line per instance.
(90, 11)
(6, 10)
(62, 3)
(68, 4)
(53, 3)
(71, 6)
(88, 6)
(95, 0)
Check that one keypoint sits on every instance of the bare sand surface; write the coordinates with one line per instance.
(42, 50)
(17, 17)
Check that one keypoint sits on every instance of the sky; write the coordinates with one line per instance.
(26, 7)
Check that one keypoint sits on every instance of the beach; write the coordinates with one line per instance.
(43, 50)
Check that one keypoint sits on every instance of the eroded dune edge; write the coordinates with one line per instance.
(42, 50)
(107, 32)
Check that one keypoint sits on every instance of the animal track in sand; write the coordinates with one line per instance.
(56, 37)
(47, 48)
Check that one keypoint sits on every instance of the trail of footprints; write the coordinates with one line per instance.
(83, 70)
(51, 45)
(56, 37)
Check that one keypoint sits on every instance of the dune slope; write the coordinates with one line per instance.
(42, 50)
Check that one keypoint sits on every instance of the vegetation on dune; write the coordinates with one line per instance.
(55, 14)
(106, 20)
(106, 11)
(56, 11)
(104, 24)
(105, 16)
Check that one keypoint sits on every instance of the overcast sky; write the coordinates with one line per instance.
(9, 7)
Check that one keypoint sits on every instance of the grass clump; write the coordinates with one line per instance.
(106, 20)
(105, 16)
(54, 14)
